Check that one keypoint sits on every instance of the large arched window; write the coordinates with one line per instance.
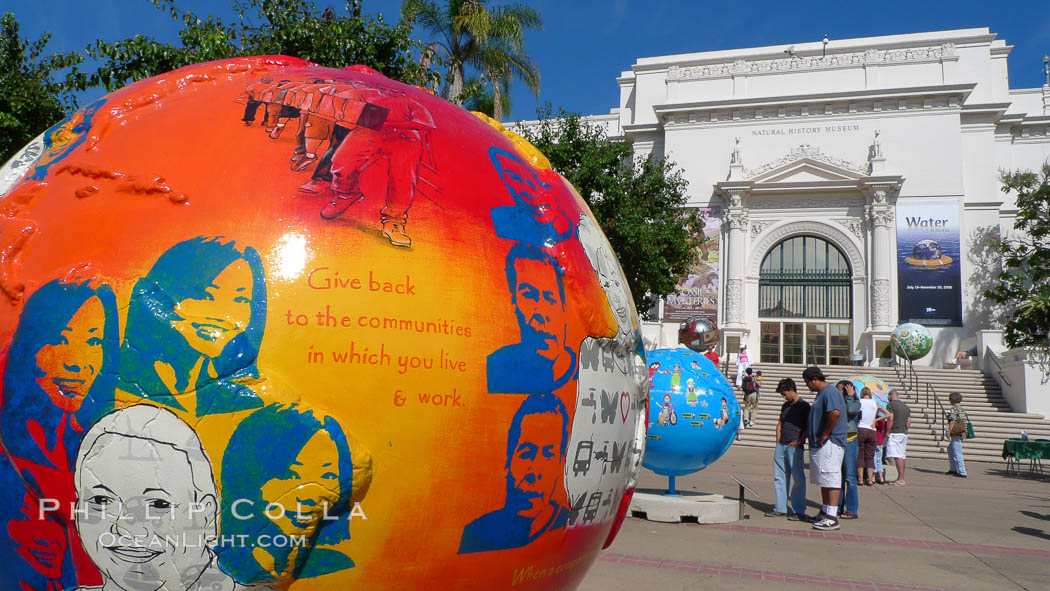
(804, 277)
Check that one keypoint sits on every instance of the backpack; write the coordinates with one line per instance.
(748, 384)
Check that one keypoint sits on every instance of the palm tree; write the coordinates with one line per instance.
(491, 40)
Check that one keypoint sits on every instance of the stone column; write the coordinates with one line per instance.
(880, 214)
(737, 219)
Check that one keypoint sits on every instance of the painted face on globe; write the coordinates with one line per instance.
(520, 179)
(210, 323)
(535, 467)
(138, 516)
(40, 542)
(538, 301)
(526, 187)
(308, 489)
(615, 290)
(599, 253)
(71, 364)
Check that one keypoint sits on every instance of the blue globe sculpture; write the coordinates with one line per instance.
(693, 414)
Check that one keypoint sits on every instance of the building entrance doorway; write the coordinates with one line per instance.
(805, 296)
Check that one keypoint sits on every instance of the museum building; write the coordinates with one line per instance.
(848, 186)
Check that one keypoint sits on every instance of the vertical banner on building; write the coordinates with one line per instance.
(928, 276)
(698, 292)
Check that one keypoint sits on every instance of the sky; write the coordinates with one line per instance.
(586, 44)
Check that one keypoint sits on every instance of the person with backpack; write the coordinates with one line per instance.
(750, 388)
(958, 423)
(850, 494)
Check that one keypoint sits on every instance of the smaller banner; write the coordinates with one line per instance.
(698, 292)
(929, 285)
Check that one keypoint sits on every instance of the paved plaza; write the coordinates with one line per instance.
(988, 531)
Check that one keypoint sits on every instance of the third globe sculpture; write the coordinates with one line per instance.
(693, 419)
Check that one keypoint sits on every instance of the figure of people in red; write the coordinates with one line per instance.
(365, 122)
(400, 141)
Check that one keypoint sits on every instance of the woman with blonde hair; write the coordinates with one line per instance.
(870, 412)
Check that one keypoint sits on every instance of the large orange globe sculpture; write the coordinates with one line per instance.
(268, 324)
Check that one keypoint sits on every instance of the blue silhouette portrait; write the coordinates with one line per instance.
(535, 217)
(541, 362)
(60, 372)
(195, 323)
(59, 378)
(536, 442)
(286, 456)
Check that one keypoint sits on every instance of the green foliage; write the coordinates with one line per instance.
(479, 97)
(1024, 283)
(30, 99)
(490, 40)
(264, 27)
(639, 202)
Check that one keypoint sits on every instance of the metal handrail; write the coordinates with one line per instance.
(998, 366)
(931, 393)
(907, 376)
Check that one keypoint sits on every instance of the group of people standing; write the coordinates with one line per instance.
(847, 435)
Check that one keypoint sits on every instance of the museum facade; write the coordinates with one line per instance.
(847, 186)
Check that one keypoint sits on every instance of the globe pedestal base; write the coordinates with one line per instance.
(656, 505)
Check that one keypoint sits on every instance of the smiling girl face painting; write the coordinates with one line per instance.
(70, 364)
(60, 368)
(222, 312)
(308, 474)
(195, 324)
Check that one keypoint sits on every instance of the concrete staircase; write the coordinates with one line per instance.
(992, 419)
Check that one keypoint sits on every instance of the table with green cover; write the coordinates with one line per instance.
(1015, 450)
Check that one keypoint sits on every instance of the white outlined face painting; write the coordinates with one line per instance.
(138, 522)
(146, 507)
(599, 253)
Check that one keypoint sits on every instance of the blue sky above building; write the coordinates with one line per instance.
(586, 44)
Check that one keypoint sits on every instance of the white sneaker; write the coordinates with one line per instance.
(826, 523)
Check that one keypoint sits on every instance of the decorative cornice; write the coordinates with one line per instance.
(763, 110)
(797, 64)
(881, 187)
(810, 152)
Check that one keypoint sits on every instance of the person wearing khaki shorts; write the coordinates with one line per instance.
(825, 465)
(827, 446)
